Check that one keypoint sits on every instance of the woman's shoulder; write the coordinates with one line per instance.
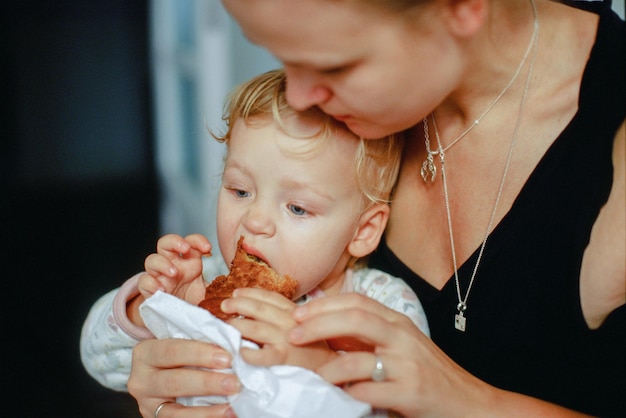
(585, 41)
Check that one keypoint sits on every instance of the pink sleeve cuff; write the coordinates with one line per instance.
(128, 291)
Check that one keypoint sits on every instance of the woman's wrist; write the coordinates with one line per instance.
(498, 403)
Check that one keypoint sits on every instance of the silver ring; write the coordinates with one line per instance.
(378, 374)
(158, 408)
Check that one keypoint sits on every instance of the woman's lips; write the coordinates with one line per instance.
(341, 118)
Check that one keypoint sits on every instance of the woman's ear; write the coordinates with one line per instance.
(369, 231)
(466, 17)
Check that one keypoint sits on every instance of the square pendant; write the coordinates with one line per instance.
(459, 322)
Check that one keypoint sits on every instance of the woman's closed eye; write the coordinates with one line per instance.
(331, 71)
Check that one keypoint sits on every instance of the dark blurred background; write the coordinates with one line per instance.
(79, 198)
(79, 194)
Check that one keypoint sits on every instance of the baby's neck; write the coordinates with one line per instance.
(336, 284)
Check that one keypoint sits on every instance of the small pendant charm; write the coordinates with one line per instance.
(459, 322)
(459, 319)
(428, 171)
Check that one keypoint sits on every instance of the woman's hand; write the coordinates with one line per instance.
(176, 267)
(267, 317)
(419, 377)
(157, 375)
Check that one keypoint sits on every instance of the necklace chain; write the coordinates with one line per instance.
(429, 170)
(459, 318)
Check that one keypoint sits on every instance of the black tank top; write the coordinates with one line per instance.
(525, 328)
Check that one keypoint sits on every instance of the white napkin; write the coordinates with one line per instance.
(267, 392)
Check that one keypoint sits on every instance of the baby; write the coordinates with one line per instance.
(310, 199)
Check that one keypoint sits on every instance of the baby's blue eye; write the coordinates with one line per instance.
(241, 193)
(297, 210)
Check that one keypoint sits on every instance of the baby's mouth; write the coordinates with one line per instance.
(257, 259)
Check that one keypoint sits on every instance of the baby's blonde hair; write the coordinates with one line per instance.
(376, 162)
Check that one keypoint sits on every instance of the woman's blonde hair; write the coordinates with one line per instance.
(376, 162)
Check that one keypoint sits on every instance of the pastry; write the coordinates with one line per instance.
(246, 270)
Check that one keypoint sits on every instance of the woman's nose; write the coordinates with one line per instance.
(304, 89)
(258, 220)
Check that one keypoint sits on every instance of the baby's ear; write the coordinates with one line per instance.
(466, 17)
(369, 231)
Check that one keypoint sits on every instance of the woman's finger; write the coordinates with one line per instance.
(171, 410)
(258, 331)
(380, 379)
(172, 353)
(274, 308)
(267, 334)
(165, 369)
(266, 357)
(354, 366)
(266, 296)
(405, 366)
(340, 303)
(367, 376)
(329, 324)
(181, 382)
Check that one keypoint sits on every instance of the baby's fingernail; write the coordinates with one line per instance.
(230, 384)
(221, 360)
(229, 413)
(172, 270)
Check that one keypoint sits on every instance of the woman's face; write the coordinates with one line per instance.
(377, 72)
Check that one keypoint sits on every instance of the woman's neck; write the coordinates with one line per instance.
(492, 57)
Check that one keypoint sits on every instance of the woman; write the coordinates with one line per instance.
(508, 218)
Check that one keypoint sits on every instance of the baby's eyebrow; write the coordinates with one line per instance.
(298, 185)
(233, 165)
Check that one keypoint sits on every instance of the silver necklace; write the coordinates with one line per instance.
(459, 318)
(429, 170)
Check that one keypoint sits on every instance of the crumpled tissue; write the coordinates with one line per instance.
(270, 392)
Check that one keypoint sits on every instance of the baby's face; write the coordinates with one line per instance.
(297, 212)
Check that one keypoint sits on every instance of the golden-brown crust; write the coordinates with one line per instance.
(245, 271)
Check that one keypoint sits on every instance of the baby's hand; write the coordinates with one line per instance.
(267, 319)
(176, 267)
